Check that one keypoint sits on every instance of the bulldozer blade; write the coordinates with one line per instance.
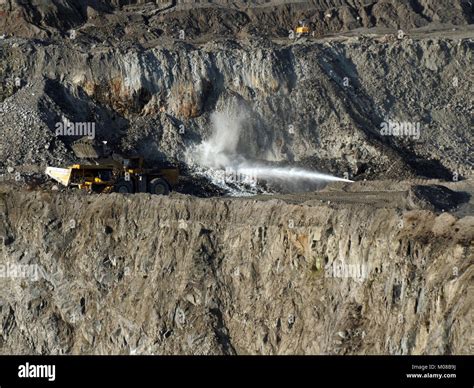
(85, 151)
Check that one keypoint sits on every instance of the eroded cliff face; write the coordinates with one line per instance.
(180, 275)
(150, 75)
(318, 104)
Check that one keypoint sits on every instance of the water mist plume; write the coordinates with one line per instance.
(222, 155)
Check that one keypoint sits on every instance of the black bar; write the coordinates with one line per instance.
(367, 371)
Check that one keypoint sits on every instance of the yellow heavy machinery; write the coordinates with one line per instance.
(122, 175)
(302, 29)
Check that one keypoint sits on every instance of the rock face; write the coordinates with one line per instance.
(378, 93)
(323, 104)
(181, 275)
(320, 103)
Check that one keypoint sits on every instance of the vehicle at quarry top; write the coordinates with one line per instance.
(302, 29)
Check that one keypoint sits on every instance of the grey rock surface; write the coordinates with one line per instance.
(180, 275)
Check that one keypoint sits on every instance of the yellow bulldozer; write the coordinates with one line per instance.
(124, 175)
(302, 29)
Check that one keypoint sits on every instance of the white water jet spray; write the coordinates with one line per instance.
(287, 173)
(223, 154)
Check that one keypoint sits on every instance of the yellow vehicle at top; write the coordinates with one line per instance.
(302, 29)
